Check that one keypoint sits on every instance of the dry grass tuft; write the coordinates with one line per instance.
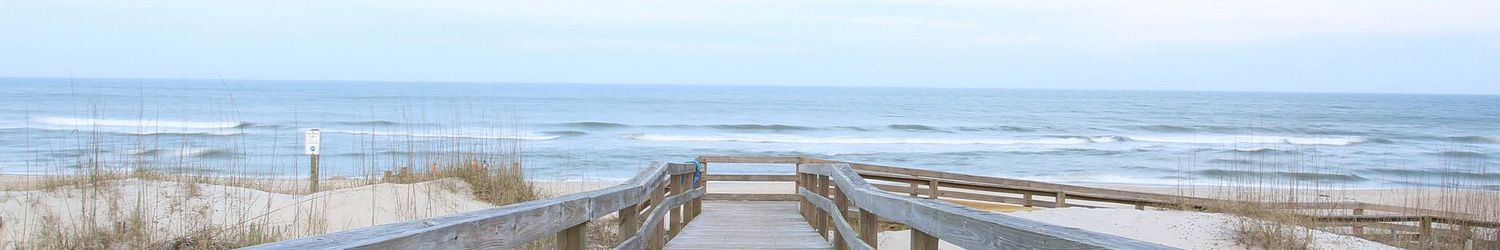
(604, 232)
(1260, 227)
(500, 186)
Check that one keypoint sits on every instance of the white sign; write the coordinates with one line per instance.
(313, 145)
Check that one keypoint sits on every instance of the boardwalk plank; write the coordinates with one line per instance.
(748, 225)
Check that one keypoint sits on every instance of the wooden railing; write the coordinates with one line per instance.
(652, 206)
(831, 189)
(934, 184)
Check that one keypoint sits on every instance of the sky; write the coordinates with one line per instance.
(1299, 46)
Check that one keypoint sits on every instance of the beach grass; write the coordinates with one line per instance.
(1264, 186)
(169, 196)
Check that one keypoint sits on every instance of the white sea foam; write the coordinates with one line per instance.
(851, 140)
(1332, 141)
(75, 122)
(527, 137)
(793, 139)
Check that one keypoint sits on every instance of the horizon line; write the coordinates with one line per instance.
(753, 85)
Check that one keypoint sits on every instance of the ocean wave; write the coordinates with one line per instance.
(1462, 154)
(1301, 176)
(1053, 151)
(1240, 130)
(1436, 173)
(594, 125)
(77, 122)
(761, 127)
(566, 133)
(137, 132)
(1331, 141)
(914, 127)
(184, 152)
(1165, 128)
(1260, 150)
(851, 140)
(1475, 139)
(381, 123)
(996, 128)
(183, 134)
(1232, 161)
(525, 137)
(143, 152)
(1055, 140)
(204, 153)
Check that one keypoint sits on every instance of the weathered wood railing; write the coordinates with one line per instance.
(653, 206)
(933, 184)
(830, 189)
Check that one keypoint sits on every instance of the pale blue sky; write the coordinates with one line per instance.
(1338, 46)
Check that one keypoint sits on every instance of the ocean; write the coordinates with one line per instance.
(607, 132)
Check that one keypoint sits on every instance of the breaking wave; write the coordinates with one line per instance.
(1301, 176)
(1436, 173)
(1330, 141)
(914, 127)
(381, 123)
(526, 137)
(1462, 154)
(1057, 140)
(1240, 129)
(1476, 139)
(566, 133)
(851, 140)
(761, 127)
(997, 128)
(594, 125)
(76, 122)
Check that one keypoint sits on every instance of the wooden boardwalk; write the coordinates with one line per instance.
(749, 225)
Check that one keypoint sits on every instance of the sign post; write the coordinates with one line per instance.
(312, 146)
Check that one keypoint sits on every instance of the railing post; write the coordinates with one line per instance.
(702, 182)
(630, 221)
(1062, 199)
(869, 227)
(574, 238)
(913, 190)
(822, 215)
(803, 182)
(922, 241)
(1426, 234)
(674, 213)
(932, 186)
(1027, 199)
(797, 184)
(658, 239)
(1358, 229)
(843, 205)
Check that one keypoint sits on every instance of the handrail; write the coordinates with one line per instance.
(955, 224)
(519, 224)
(1074, 191)
(950, 182)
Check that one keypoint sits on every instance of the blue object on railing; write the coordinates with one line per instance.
(697, 172)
